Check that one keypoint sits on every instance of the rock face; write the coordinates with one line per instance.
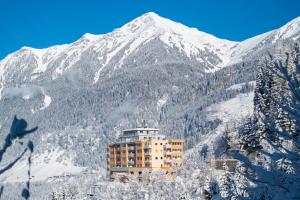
(82, 94)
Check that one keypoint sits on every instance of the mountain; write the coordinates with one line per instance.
(81, 95)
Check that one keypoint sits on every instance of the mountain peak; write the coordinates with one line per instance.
(151, 15)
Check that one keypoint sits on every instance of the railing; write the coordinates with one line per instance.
(168, 153)
(168, 146)
(148, 161)
(147, 146)
(130, 162)
(131, 155)
(168, 160)
(132, 148)
(148, 153)
(139, 147)
(119, 169)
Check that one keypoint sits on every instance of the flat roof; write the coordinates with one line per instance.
(141, 129)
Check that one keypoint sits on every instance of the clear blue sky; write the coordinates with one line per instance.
(42, 23)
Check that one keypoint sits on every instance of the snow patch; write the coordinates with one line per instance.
(47, 101)
(43, 166)
(239, 86)
(162, 101)
(25, 92)
(232, 110)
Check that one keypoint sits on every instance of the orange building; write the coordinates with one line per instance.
(144, 148)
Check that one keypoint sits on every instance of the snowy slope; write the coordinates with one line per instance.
(230, 112)
(291, 30)
(43, 166)
(234, 109)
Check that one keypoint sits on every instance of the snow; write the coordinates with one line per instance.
(240, 86)
(162, 101)
(245, 47)
(47, 101)
(43, 166)
(290, 29)
(232, 110)
(138, 32)
(25, 92)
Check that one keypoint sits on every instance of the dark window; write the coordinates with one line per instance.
(160, 143)
(140, 172)
(131, 173)
(155, 143)
(161, 157)
(156, 158)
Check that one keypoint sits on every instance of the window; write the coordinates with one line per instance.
(123, 145)
(156, 158)
(131, 173)
(161, 144)
(161, 158)
(140, 172)
(155, 143)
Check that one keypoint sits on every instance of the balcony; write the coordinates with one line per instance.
(139, 147)
(130, 162)
(168, 153)
(148, 161)
(119, 169)
(147, 146)
(131, 155)
(168, 146)
(148, 153)
(131, 148)
(168, 160)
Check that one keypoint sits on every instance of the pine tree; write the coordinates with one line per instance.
(241, 185)
(227, 185)
(248, 138)
(286, 69)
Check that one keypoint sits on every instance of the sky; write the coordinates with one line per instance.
(43, 23)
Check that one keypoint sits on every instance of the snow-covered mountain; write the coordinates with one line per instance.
(82, 94)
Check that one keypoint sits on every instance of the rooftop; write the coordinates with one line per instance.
(141, 129)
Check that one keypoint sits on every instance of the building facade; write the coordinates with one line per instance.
(144, 148)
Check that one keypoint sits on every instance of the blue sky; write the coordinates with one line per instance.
(42, 23)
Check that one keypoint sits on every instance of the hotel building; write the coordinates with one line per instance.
(144, 148)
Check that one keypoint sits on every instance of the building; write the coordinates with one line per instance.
(144, 148)
(225, 164)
